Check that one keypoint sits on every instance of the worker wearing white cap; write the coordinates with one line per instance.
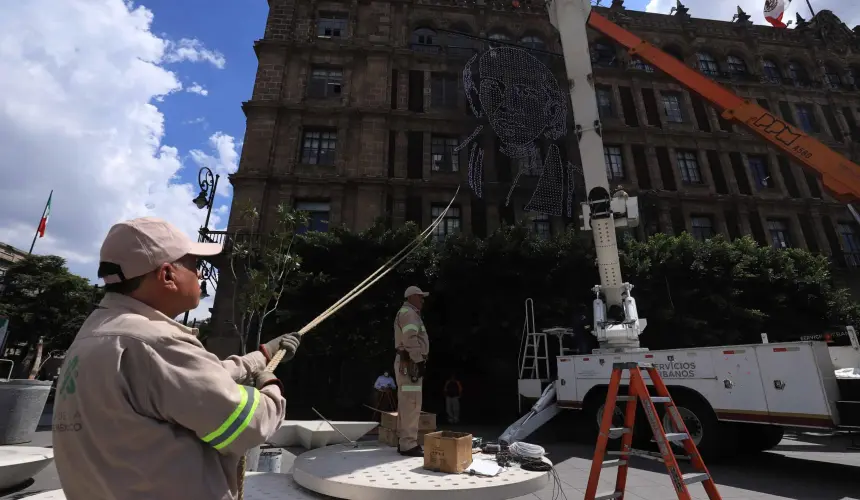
(412, 346)
(142, 410)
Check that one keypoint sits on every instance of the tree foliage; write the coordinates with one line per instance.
(43, 299)
(261, 268)
(692, 293)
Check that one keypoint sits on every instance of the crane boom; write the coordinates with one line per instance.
(839, 175)
(617, 325)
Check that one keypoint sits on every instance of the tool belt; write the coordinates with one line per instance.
(409, 368)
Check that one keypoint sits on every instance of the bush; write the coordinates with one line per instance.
(692, 293)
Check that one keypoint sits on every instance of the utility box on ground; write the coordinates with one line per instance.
(447, 451)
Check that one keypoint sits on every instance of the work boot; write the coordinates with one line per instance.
(412, 452)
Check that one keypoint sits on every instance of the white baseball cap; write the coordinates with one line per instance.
(138, 246)
(414, 290)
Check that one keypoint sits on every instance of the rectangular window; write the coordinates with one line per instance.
(318, 147)
(443, 91)
(806, 118)
(614, 162)
(672, 107)
(325, 82)
(332, 24)
(651, 113)
(688, 164)
(414, 155)
(702, 226)
(541, 226)
(779, 234)
(318, 215)
(444, 158)
(760, 171)
(450, 225)
(850, 243)
(631, 118)
(416, 91)
(604, 102)
(785, 111)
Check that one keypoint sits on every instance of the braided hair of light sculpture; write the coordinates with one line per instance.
(355, 292)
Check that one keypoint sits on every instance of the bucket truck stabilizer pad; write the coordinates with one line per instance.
(375, 472)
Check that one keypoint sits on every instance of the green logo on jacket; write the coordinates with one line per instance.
(67, 386)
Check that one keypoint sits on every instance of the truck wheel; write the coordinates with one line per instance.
(594, 407)
(756, 438)
(714, 439)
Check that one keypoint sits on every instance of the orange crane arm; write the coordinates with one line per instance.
(839, 175)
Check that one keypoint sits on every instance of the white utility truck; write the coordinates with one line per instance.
(732, 398)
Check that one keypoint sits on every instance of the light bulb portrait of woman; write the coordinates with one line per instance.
(522, 102)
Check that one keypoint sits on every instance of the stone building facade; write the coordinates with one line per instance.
(357, 106)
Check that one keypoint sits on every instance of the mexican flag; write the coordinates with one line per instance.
(43, 224)
(774, 10)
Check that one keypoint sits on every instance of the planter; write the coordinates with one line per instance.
(21, 406)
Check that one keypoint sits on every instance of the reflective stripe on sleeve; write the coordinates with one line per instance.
(403, 310)
(237, 421)
(411, 327)
(410, 388)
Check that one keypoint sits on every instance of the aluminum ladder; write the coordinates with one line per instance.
(534, 356)
(638, 390)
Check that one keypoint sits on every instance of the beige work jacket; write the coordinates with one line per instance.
(144, 412)
(410, 334)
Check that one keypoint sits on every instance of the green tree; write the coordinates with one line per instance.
(261, 269)
(42, 299)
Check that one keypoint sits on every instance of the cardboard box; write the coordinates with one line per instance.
(389, 436)
(426, 422)
(447, 451)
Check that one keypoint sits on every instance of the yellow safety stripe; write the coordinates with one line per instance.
(410, 388)
(411, 327)
(238, 421)
(403, 310)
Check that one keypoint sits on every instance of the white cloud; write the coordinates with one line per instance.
(196, 88)
(224, 162)
(77, 115)
(724, 9)
(188, 49)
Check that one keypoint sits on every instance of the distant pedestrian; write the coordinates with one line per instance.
(453, 391)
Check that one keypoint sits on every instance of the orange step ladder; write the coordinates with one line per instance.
(638, 390)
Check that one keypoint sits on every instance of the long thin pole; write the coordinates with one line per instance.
(211, 202)
(810, 8)
(36, 235)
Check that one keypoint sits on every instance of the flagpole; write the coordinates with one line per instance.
(40, 223)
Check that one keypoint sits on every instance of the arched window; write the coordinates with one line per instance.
(603, 54)
(533, 42)
(797, 72)
(641, 65)
(771, 71)
(425, 40)
(707, 64)
(737, 66)
(498, 37)
(831, 77)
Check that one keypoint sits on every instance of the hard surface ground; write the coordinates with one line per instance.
(802, 467)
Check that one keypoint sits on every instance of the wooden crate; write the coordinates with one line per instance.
(447, 451)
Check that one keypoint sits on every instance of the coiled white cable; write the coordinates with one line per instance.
(527, 450)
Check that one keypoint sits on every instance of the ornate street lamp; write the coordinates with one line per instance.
(208, 183)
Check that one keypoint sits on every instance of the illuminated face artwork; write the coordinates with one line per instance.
(523, 103)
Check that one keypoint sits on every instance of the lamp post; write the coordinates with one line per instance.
(208, 183)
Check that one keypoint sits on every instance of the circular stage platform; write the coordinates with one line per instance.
(376, 472)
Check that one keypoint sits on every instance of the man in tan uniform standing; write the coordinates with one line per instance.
(412, 346)
(142, 410)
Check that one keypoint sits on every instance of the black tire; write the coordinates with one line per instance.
(718, 439)
(756, 438)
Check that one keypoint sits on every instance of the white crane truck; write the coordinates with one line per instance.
(732, 398)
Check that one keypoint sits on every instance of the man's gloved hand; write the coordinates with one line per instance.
(420, 369)
(265, 378)
(288, 342)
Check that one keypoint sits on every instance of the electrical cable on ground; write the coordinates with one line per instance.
(530, 457)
